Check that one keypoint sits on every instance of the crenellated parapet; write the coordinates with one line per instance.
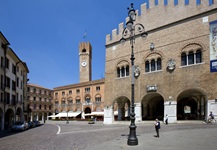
(164, 12)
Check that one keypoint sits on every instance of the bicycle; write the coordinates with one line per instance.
(210, 121)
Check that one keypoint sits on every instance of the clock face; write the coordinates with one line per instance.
(84, 63)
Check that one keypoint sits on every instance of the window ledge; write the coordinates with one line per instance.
(153, 71)
(122, 77)
(192, 65)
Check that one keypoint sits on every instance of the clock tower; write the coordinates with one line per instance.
(85, 61)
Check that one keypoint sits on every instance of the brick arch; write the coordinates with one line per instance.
(87, 95)
(152, 104)
(122, 63)
(193, 46)
(157, 93)
(63, 99)
(77, 97)
(199, 89)
(156, 55)
(98, 95)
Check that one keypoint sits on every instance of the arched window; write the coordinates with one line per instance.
(87, 99)
(118, 73)
(127, 70)
(153, 68)
(159, 67)
(191, 58)
(183, 59)
(70, 101)
(123, 71)
(147, 67)
(63, 101)
(98, 99)
(198, 56)
(154, 65)
(84, 50)
(78, 100)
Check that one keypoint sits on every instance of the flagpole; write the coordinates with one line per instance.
(85, 36)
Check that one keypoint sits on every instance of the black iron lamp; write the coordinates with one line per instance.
(130, 32)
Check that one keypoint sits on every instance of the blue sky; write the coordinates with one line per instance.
(46, 35)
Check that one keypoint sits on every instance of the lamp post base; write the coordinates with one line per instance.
(132, 139)
(132, 142)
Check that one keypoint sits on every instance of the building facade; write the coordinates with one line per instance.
(13, 86)
(83, 99)
(39, 102)
(175, 75)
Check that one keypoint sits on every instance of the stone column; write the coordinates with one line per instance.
(108, 115)
(53, 117)
(211, 107)
(31, 114)
(170, 109)
(138, 112)
(128, 111)
(120, 114)
(37, 116)
(43, 117)
(47, 116)
(82, 109)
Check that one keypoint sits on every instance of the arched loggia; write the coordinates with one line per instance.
(191, 105)
(121, 108)
(152, 106)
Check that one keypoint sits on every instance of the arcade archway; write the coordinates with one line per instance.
(87, 110)
(121, 108)
(191, 105)
(18, 114)
(152, 107)
(9, 118)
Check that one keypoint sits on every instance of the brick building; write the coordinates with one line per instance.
(39, 102)
(83, 99)
(177, 75)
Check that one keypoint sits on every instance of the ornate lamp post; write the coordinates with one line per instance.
(130, 32)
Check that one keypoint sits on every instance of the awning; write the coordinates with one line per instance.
(52, 116)
(73, 114)
(96, 113)
(64, 114)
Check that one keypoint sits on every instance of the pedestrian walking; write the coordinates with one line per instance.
(166, 119)
(157, 127)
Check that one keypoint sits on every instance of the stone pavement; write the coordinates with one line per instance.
(188, 139)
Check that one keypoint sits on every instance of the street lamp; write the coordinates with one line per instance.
(130, 31)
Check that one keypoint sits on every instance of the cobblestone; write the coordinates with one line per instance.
(82, 136)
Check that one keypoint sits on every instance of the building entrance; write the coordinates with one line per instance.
(152, 107)
(191, 105)
(121, 109)
(9, 118)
